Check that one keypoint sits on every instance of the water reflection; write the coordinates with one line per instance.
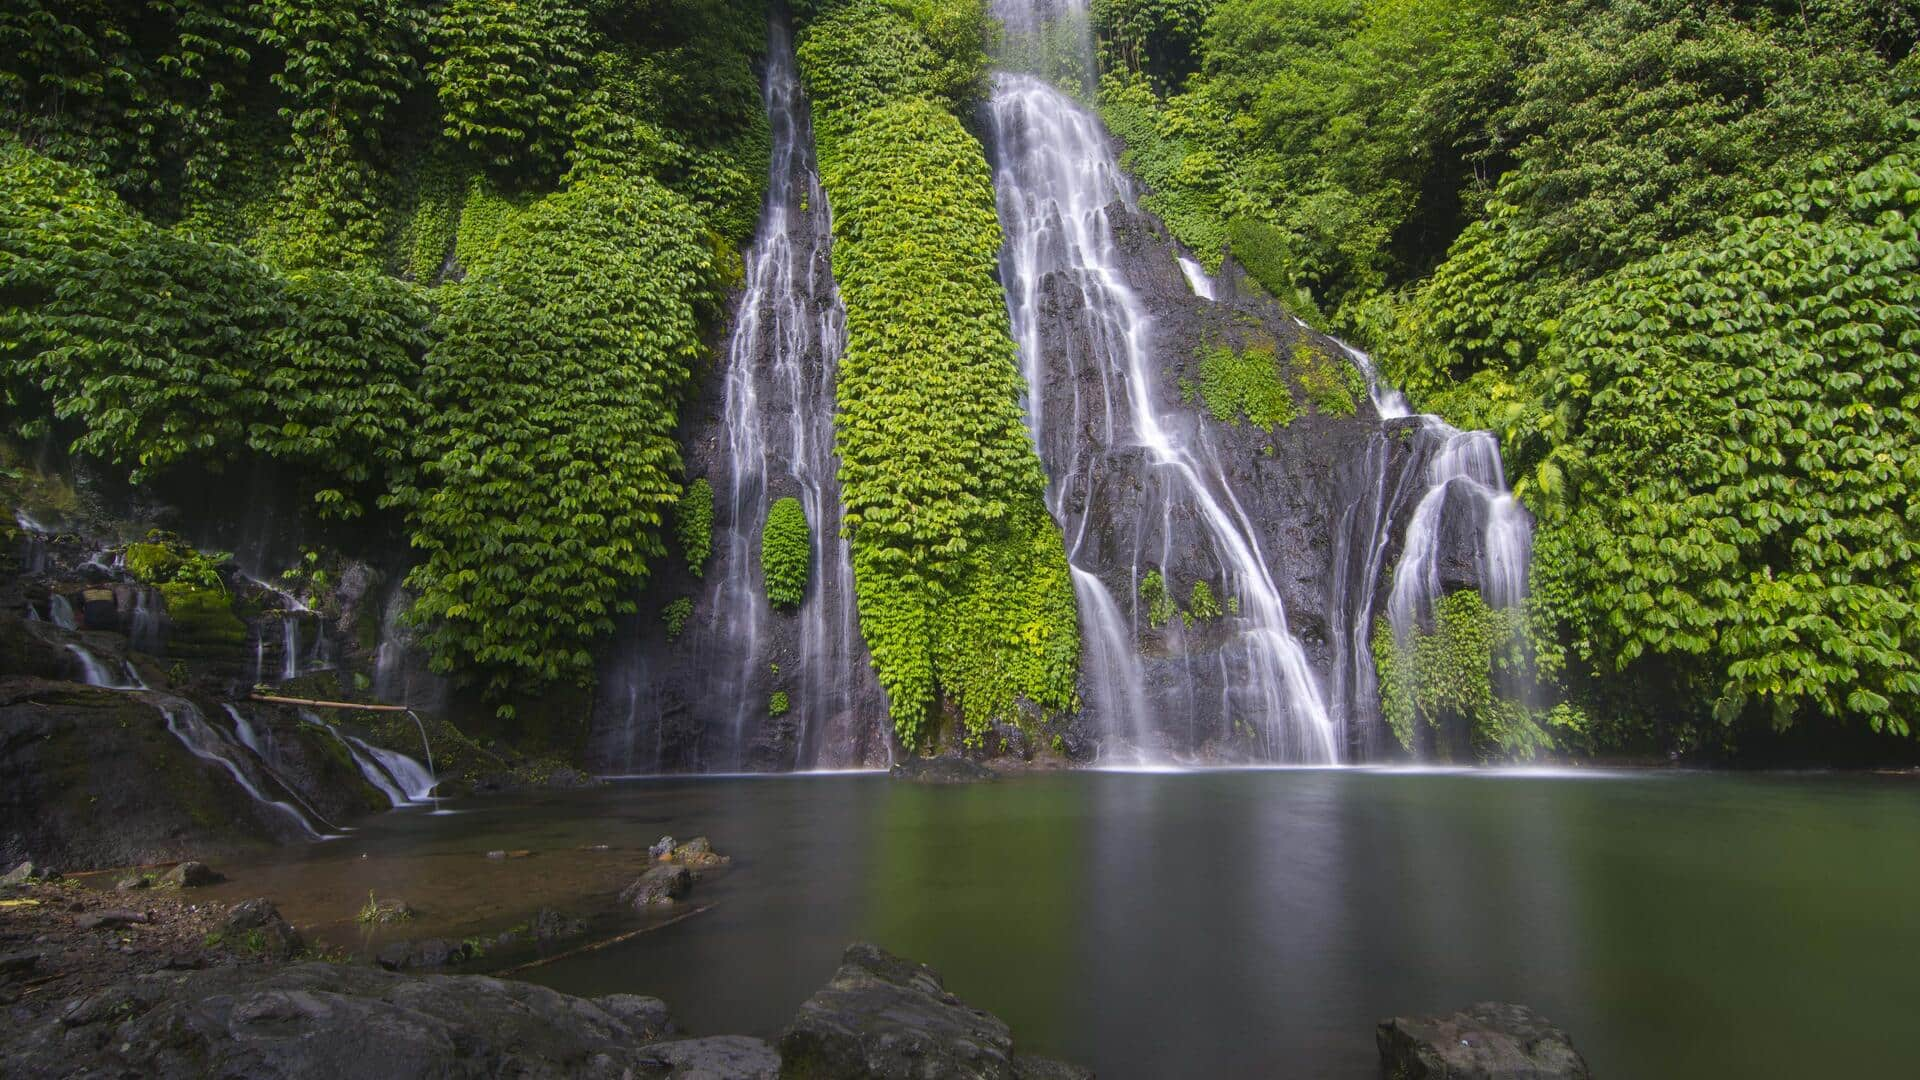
(1245, 923)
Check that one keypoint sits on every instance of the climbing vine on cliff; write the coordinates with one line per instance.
(549, 456)
(962, 580)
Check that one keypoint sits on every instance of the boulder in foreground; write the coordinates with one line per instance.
(882, 1017)
(1489, 1041)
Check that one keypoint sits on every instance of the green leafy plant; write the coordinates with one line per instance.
(1201, 604)
(786, 553)
(1160, 606)
(693, 522)
(1246, 384)
(961, 574)
(675, 615)
(777, 704)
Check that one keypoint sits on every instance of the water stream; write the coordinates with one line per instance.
(1099, 416)
(775, 441)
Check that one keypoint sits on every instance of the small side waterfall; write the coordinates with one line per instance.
(1056, 176)
(262, 749)
(94, 672)
(404, 781)
(1197, 278)
(708, 702)
(60, 610)
(1462, 464)
(289, 647)
(205, 742)
(143, 633)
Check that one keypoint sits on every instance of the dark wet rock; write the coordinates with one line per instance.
(647, 1016)
(661, 884)
(109, 920)
(942, 770)
(719, 1057)
(133, 882)
(698, 854)
(425, 953)
(1028, 1067)
(255, 926)
(92, 778)
(325, 1021)
(882, 1016)
(16, 964)
(190, 875)
(1489, 1041)
(661, 848)
(548, 924)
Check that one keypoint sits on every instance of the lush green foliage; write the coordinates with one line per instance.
(1246, 383)
(1519, 209)
(1201, 605)
(778, 703)
(549, 458)
(675, 615)
(693, 523)
(962, 579)
(508, 73)
(786, 553)
(160, 348)
(330, 144)
(1458, 676)
(1159, 599)
(1733, 467)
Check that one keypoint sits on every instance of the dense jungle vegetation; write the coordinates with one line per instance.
(962, 576)
(454, 263)
(457, 264)
(1665, 249)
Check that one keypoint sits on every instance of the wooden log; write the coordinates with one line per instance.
(317, 704)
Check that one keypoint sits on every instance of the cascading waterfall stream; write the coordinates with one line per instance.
(94, 672)
(186, 723)
(775, 441)
(1056, 176)
(262, 748)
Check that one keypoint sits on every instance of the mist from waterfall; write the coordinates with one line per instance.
(1056, 176)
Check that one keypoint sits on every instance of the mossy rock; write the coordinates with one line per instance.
(153, 563)
(203, 620)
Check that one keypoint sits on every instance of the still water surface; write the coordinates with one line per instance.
(1240, 923)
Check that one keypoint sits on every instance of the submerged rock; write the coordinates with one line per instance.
(1488, 1041)
(661, 884)
(425, 953)
(190, 875)
(884, 1017)
(698, 854)
(942, 770)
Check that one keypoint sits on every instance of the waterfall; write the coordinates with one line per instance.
(262, 749)
(774, 440)
(60, 609)
(95, 673)
(289, 647)
(187, 724)
(404, 781)
(1465, 463)
(1197, 279)
(1055, 178)
(143, 634)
